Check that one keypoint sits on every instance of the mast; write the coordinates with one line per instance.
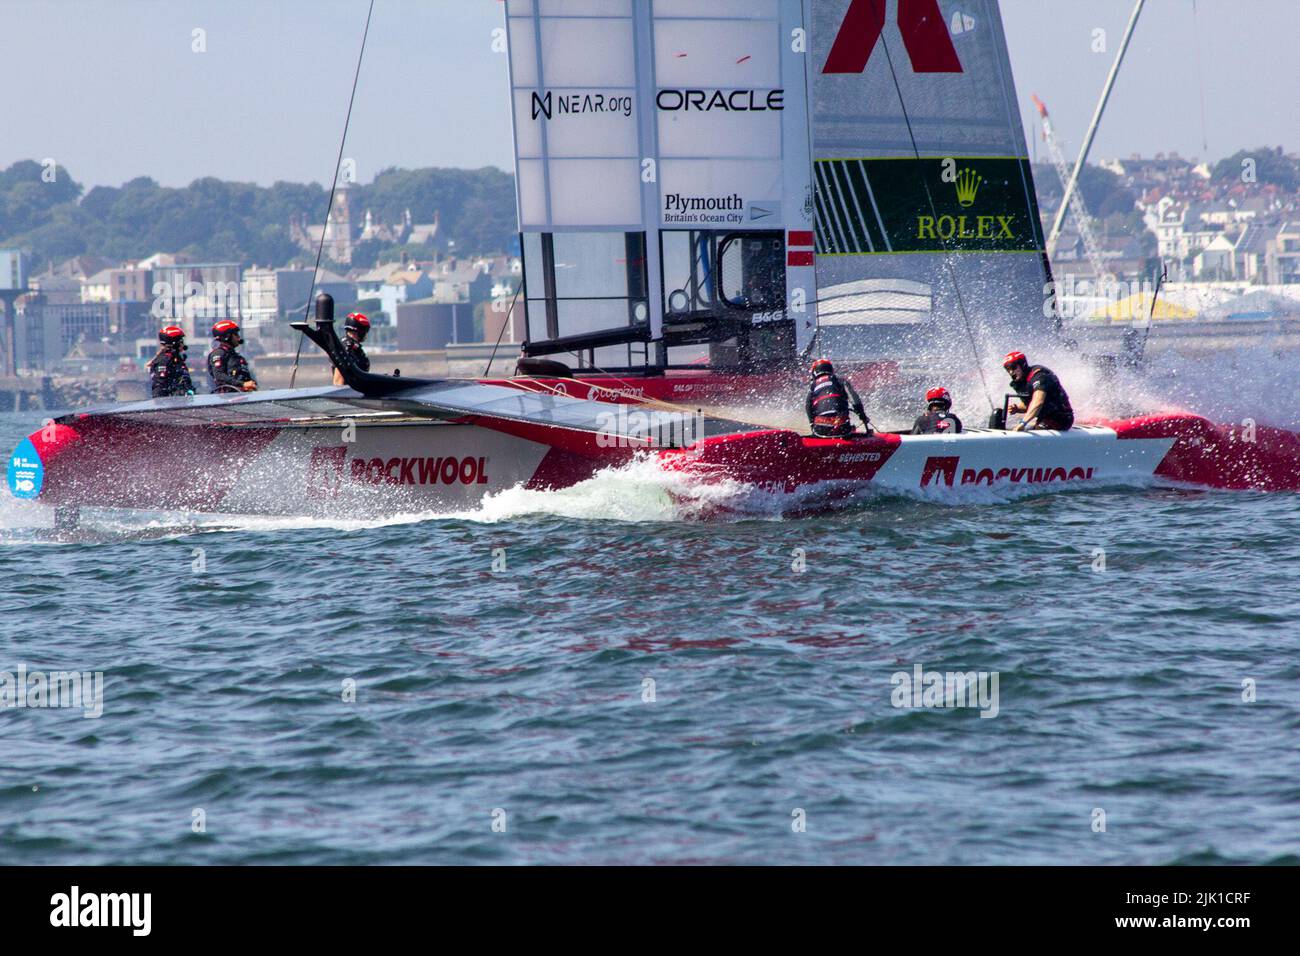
(1092, 127)
(1081, 217)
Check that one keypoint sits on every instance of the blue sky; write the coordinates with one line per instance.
(113, 90)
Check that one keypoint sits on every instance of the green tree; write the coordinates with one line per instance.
(1268, 166)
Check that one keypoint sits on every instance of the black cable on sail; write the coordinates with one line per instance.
(334, 185)
(947, 259)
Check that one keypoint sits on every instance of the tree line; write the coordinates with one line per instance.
(45, 211)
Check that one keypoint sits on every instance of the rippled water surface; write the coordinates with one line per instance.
(635, 687)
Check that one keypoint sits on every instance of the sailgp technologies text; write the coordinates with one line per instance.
(549, 104)
(942, 470)
(33, 689)
(75, 908)
(923, 688)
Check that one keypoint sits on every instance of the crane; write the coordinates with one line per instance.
(1081, 218)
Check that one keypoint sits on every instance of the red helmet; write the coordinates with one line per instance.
(938, 394)
(171, 335)
(357, 323)
(225, 330)
(823, 367)
(1014, 358)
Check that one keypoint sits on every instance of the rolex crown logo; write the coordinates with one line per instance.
(968, 183)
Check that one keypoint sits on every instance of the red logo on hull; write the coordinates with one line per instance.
(925, 37)
(943, 471)
(420, 471)
(325, 472)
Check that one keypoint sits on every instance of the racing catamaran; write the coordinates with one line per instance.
(706, 196)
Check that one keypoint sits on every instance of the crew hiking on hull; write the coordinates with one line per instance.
(830, 399)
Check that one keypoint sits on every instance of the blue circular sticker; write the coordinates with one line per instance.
(26, 472)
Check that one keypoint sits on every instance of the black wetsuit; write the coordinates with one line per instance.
(937, 423)
(1056, 411)
(353, 350)
(228, 370)
(169, 374)
(830, 399)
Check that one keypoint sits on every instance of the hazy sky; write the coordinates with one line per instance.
(113, 90)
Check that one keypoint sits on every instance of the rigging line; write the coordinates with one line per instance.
(1151, 316)
(947, 258)
(510, 312)
(338, 163)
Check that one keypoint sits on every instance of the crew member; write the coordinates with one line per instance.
(829, 400)
(1048, 405)
(354, 333)
(169, 374)
(938, 418)
(227, 369)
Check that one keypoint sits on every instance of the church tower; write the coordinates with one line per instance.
(338, 230)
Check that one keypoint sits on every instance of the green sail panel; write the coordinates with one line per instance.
(956, 204)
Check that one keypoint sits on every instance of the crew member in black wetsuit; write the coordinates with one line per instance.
(227, 369)
(169, 374)
(354, 333)
(830, 398)
(938, 418)
(1047, 404)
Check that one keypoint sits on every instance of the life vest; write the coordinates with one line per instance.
(227, 369)
(829, 401)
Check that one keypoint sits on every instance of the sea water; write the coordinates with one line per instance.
(635, 671)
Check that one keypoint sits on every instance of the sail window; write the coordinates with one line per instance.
(585, 289)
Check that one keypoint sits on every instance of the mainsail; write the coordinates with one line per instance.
(663, 172)
(716, 180)
(927, 223)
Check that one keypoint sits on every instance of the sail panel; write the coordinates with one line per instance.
(659, 118)
(922, 178)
